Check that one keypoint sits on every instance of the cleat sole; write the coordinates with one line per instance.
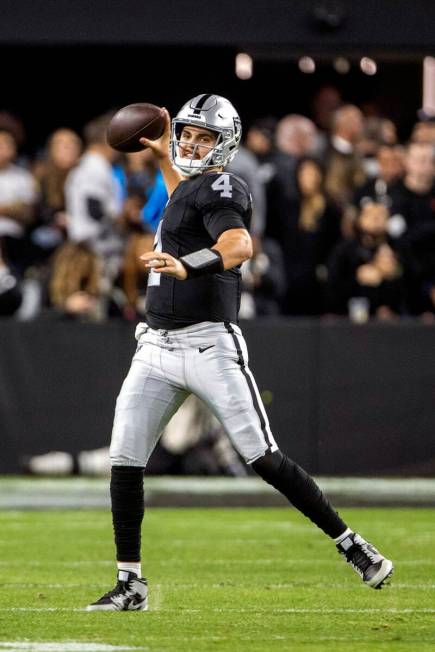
(385, 581)
(386, 571)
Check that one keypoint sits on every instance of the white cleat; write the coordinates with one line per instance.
(129, 594)
(373, 568)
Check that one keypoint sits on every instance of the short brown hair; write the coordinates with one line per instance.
(94, 131)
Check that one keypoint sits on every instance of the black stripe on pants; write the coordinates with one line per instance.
(241, 363)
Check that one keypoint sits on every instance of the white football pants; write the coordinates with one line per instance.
(207, 359)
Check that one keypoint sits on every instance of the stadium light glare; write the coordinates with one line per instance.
(244, 66)
(341, 65)
(307, 65)
(368, 66)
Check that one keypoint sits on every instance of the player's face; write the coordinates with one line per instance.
(196, 142)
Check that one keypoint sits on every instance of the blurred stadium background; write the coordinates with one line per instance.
(337, 101)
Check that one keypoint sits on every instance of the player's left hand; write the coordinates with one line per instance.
(164, 263)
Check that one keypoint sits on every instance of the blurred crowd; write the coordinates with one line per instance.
(343, 223)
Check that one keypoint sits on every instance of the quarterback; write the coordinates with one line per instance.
(191, 343)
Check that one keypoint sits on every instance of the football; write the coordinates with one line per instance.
(133, 122)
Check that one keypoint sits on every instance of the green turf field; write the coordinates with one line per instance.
(233, 580)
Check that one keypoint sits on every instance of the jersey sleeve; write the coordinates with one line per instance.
(224, 202)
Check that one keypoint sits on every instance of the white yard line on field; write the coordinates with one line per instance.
(62, 646)
(39, 609)
(217, 585)
(88, 562)
(208, 561)
(252, 610)
(285, 586)
(42, 585)
(275, 560)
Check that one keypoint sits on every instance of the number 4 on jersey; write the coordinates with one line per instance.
(223, 184)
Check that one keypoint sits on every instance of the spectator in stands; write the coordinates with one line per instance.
(307, 234)
(133, 279)
(93, 202)
(390, 166)
(75, 288)
(13, 124)
(62, 153)
(260, 139)
(413, 197)
(17, 202)
(92, 195)
(263, 280)
(145, 201)
(144, 181)
(295, 138)
(370, 265)
(413, 208)
(245, 165)
(377, 132)
(343, 161)
(326, 101)
(424, 132)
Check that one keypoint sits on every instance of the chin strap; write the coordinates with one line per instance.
(183, 164)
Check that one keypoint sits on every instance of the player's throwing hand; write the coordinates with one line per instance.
(160, 146)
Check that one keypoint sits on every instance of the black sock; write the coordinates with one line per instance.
(301, 490)
(128, 506)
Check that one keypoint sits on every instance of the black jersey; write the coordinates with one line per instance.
(198, 212)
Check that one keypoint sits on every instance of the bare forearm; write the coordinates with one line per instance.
(171, 176)
(160, 148)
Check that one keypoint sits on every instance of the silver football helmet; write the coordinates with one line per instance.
(211, 112)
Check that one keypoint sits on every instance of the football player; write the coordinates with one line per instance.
(191, 343)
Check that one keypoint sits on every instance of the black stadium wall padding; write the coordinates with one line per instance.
(272, 26)
(342, 399)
